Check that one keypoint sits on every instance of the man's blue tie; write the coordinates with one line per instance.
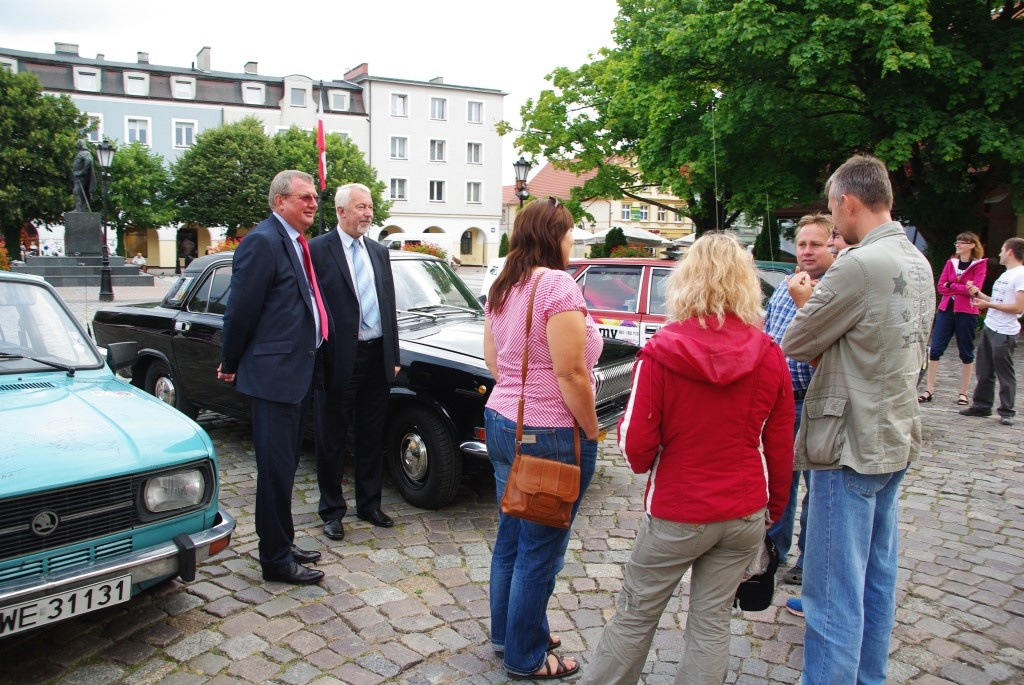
(364, 286)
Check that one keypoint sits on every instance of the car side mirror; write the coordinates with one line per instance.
(121, 354)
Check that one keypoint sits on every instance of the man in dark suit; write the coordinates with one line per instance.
(361, 360)
(273, 327)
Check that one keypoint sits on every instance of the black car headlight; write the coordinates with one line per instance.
(177, 490)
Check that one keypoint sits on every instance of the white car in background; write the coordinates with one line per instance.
(494, 267)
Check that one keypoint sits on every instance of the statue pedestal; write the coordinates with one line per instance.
(83, 233)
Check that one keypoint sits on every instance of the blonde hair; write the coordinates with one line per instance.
(716, 278)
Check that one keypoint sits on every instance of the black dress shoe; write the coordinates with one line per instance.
(304, 556)
(377, 518)
(293, 573)
(334, 530)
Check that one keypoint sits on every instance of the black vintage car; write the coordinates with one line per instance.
(435, 414)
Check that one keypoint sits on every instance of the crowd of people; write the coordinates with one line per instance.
(731, 408)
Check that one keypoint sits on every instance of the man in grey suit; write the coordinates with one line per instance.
(361, 360)
(273, 329)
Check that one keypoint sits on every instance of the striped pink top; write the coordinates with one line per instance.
(545, 407)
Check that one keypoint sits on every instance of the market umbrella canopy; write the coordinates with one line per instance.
(638, 235)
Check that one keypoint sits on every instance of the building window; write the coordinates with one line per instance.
(298, 97)
(345, 135)
(474, 153)
(87, 79)
(437, 191)
(474, 191)
(95, 135)
(644, 212)
(136, 83)
(183, 88)
(253, 94)
(339, 101)
(137, 130)
(399, 105)
(439, 109)
(398, 147)
(9, 64)
(398, 189)
(627, 212)
(662, 213)
(475, 112)
(184, 133)
(437, 153)
(678, 216)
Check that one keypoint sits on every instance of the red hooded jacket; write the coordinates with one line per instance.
(704, 400)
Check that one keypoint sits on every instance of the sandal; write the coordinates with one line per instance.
(553, 644)
(545, 672)
(926, 396)
(962, 399)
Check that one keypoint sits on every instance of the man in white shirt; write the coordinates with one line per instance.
(999, 337)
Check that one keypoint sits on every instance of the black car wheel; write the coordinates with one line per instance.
(162, 385)
(423, 458)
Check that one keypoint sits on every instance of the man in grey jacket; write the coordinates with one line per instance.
(868, 322)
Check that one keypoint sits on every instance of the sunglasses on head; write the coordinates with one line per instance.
(554, 207)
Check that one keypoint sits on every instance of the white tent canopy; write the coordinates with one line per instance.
(637, 235)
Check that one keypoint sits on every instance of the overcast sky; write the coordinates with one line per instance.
(509, 46)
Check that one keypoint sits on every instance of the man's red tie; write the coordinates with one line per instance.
(311, 275)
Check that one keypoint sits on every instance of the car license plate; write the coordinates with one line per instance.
(58, 607)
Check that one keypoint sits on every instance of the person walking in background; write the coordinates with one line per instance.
(956, 314)
(709, 389)
(868, 321)
(813, 233)
(360, 363)
(999, 339)
(273, 327)
(564, 345)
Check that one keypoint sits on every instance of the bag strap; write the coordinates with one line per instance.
(522, 392)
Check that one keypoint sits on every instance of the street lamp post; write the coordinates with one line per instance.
(522, 168)
(105, 151)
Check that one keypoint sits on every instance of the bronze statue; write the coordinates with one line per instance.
(84, 177)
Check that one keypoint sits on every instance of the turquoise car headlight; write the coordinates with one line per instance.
(171, 491)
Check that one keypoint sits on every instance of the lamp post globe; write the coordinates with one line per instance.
(105, 152)
(522, 169)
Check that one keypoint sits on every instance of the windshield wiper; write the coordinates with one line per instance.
(47, 362)
(448, 306)
(415, 312)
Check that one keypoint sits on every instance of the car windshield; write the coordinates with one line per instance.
(37, 333)
(426, 285)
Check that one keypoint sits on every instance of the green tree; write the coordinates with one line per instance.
(138, 195)
(743, 103)
(38, 134)
(766, 245)
(296, 149)
(503, 245)
(223, 179)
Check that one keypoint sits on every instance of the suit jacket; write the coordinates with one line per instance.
(339, 292)
(269, 338)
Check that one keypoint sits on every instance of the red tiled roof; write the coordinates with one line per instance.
(548, 181)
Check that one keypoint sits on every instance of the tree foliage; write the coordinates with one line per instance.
(503, 245)
(222, 180)
(38, 134)
(296, 149)
(742, 103)
(137, 196)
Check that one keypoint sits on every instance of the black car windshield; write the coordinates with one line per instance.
(37, 333)
(431, 287)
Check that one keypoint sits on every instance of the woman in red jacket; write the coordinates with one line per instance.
(709, 390)
(956, 314)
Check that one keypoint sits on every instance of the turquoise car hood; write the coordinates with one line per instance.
(59, 431)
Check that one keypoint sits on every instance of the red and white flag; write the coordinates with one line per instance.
(321, 143)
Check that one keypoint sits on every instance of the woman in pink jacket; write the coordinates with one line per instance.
(709, 390)
(955, 314)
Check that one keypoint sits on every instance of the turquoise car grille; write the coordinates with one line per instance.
(57, 562)
(50, 520)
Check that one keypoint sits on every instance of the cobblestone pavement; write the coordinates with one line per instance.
(409, 604)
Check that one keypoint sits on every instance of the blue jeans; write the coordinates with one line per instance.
(947, 322)
(781, 531)
(849, 588)
(527, 556)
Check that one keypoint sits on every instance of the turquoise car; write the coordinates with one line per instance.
(104, 490)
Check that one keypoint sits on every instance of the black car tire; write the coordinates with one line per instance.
(423, 458)
(162, 385)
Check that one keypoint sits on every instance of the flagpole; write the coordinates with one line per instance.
(321, 148)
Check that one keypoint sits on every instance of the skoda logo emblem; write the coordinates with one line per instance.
(45, 522)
